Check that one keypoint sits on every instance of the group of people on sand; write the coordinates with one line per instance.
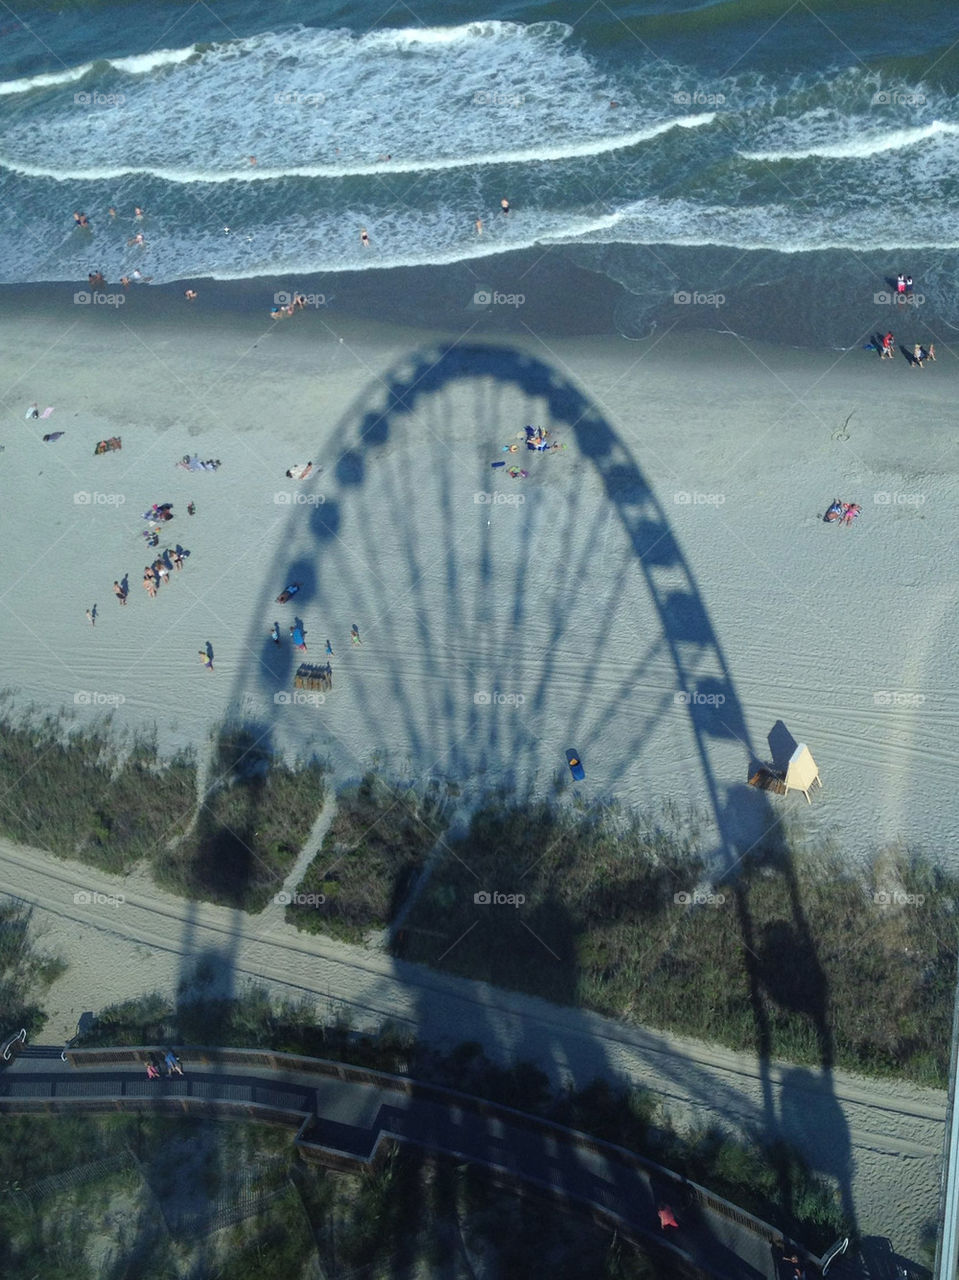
(920, 354)
(842, 512)
(297, 303)
(154, 575)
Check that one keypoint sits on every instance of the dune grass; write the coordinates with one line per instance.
(377, 843)
(25, 972)
(90, 795)
(253, 821)
(795, 957)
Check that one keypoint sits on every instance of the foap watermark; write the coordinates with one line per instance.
(687, 298)
(897, 898)
(296, 99)
(485, 898)
(684, 699)
(295, 498)
(298, 698)
(897, 698)
(302, 300)
(91, 698)
(896, 98)
(692, 498)
(499, 499)
(296, 899)
(698, 98)
(886, 297)
(84, 498)
(699, 898)
(89, 897)
(96, 99)
(497, 98)
(493, 298)
(486, 698)
(88, 298)
(899, 499)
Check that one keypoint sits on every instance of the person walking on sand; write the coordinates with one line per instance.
(918, 355)
(930, 352)
(191, 509)
(888, 347)
(329, 649)
(92, 616)
(275, 633)
(120, 594)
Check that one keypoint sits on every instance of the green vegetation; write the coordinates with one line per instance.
(25, 974)
(793, 958)
(82, 794)
(376, 844)
(111, 803)
(143, 1195)
(250, 828)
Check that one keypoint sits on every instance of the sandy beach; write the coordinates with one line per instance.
(657, 594)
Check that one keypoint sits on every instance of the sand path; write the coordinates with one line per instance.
(882, 1139)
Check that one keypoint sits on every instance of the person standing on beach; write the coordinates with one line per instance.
(92, 616)
(329, 649)
(275, 633)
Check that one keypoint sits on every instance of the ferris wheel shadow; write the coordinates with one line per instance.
(475, 607)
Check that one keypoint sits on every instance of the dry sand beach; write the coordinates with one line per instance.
(658, 594)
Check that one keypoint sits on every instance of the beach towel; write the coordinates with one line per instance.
(46, 413)
(54, 435)
(299, 471)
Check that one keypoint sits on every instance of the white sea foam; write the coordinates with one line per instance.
(859, 147)
(138, 64)
(261, 173)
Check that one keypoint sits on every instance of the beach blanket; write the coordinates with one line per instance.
(46, 413)
(194, 463)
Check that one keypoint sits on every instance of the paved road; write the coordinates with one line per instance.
(350, 1117)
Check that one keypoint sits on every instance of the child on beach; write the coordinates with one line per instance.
(120, 594)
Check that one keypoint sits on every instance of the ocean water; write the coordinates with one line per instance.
(677, 148)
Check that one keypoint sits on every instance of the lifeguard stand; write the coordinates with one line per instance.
(802, 771)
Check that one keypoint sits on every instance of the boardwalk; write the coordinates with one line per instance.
(347, 1117)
